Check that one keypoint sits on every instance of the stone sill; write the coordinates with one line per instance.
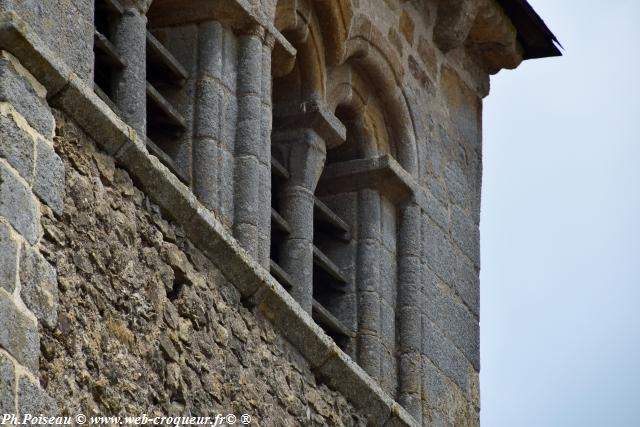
(257, 287)
(382, 173)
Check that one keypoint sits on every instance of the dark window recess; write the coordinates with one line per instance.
(280, 228)
(107, 61)
(166, 77)
(329, 282)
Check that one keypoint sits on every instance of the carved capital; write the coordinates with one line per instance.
(141, 6)
(305, 152)
(312, 114)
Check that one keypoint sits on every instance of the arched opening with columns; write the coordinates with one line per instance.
(341, 124)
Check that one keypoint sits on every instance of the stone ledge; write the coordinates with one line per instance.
(383, 173)
(313, 115)
(255, 284)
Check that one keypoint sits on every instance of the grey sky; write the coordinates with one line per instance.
(560, 280)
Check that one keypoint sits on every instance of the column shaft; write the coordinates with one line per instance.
(409, 296)
(306, 157)
(250, 149)
(130, 90)
(368, 282)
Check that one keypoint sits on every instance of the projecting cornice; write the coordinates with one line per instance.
(503, 32)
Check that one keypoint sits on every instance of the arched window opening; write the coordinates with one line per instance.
(305, 230)
(353, 183)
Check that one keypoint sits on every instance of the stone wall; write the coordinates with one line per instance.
(31, 183)
(148, 324)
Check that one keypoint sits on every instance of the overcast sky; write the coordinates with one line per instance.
(560, 280)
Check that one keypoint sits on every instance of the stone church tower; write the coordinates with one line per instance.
(252, 207)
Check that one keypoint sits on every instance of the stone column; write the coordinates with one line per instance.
(408, 310)
(130, 90)
(215, 105)
(306, 158)
(251, 148)
(368, 281)
(266, 119)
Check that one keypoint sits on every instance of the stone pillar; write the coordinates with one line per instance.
(368, 279)
(215, 114)
(252, 163)
(130, 90)
(306, 157)
(408, 309)
(266, 119)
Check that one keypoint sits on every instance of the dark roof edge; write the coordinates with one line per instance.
(536, 38)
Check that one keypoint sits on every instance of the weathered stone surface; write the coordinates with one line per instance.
(17, 147)
(19, 332)
(19, 88)
(162, 329)
(466, 234)
(7, 385)
(32, 399)
(39, 287)
(453, 318)
(74, 44)
(49, 176)
(444, 402)
(444, 354)
(467, 285)
(8, 259)
(18, 205)
(438, 251)
(407, 26)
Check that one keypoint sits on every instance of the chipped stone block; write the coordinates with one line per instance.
(19, 88)
(17, 147)
(19, 333)
(8, 259)
(7, 385)
(32, 399)
(18, 205)
(39, 286)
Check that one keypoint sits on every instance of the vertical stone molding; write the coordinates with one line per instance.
(215, 118)
(252, 166)
(266, 125)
